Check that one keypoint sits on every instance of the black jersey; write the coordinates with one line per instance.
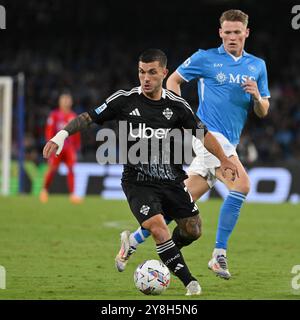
(150, 119)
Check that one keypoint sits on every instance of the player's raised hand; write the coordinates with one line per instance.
(49, 148)
(55, 144)
(227, 164)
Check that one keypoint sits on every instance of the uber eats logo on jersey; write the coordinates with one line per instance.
(139, 143)
(146, 132)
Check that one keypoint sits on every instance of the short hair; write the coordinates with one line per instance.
(151, 55)
(65, 92)
(234, 15)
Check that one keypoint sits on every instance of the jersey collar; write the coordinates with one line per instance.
(163, 94)
(222, 50)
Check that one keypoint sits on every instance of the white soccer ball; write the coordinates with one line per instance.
(152, 277)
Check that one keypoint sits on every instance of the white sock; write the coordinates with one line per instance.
(219, 252)
(132, 241)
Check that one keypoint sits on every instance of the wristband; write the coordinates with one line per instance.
(59, 139)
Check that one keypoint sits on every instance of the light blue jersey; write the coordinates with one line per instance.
(223, 104)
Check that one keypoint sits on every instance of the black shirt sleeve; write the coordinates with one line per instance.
(109, 110)
(192, 122)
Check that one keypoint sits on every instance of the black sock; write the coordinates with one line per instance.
(179, 240)
(171, 256)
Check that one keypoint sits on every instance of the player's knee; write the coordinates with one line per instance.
(158, 229)
(160, 234)
(244, 187)
(190, 228)
(193, 229)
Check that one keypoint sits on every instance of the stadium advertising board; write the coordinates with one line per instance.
(268, 184)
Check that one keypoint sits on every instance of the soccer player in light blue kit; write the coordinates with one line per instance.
(230, 82)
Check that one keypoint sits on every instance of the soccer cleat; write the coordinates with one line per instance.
(75, 199)
(218, 264)
(125, 252)
(193, 288)
(44, 196)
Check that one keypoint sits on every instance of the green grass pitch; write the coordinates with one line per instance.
(63, 251)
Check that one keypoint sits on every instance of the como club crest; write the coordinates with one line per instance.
(168, 113)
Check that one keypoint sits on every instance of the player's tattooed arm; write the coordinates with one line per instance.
(57, 142)
(81, 122)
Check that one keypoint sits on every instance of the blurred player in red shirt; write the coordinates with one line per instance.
(57, 120)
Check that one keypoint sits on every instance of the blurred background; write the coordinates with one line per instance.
(91, 48)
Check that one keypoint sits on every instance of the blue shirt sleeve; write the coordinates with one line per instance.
(192, 67)
(262, 82)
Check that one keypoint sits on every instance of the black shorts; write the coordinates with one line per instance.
(147, 200)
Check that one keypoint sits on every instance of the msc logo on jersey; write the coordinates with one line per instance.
(168, 113)
(101, 108)
(221, 77)
(238, 78)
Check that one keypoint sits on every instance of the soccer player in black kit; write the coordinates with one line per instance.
(155, 188)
